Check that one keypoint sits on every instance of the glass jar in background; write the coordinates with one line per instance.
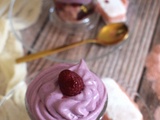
(74, 14)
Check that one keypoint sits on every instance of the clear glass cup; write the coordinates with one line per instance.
(74, 14)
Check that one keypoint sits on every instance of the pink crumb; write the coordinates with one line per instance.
(157, 113)
(153, 69)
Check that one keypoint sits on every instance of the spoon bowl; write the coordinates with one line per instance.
(110, 34)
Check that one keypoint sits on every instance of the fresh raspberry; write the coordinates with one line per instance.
(70, 83)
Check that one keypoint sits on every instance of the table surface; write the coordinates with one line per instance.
(126, 65)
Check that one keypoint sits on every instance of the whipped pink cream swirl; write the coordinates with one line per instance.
(45, 101)
(75, 1)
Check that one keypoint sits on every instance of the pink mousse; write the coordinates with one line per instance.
(45, 101)
(75, 1)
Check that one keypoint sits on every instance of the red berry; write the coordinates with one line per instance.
(70, 83)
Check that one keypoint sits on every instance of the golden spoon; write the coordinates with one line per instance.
(110, 34)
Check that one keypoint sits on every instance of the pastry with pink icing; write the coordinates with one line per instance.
(112, 10)
(66, 92)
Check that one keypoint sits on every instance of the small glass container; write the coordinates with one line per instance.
(34, 101)
(74, 14)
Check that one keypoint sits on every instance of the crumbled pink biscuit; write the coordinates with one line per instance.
(105, 117)
(156, 49)
(156, 88)
(153, 69)
(157, 113)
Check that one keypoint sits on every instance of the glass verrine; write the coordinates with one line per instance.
(66, 91)
(74, 14)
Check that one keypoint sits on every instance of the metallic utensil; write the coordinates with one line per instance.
(110, 34)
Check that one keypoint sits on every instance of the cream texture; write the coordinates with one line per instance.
(46, 102)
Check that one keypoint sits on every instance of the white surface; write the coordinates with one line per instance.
(120, 107)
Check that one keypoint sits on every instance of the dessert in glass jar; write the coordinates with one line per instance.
(66, 92)
(72, 14)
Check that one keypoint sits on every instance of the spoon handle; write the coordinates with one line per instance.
(41, 54)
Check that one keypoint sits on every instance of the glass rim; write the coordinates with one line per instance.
(12, 91)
